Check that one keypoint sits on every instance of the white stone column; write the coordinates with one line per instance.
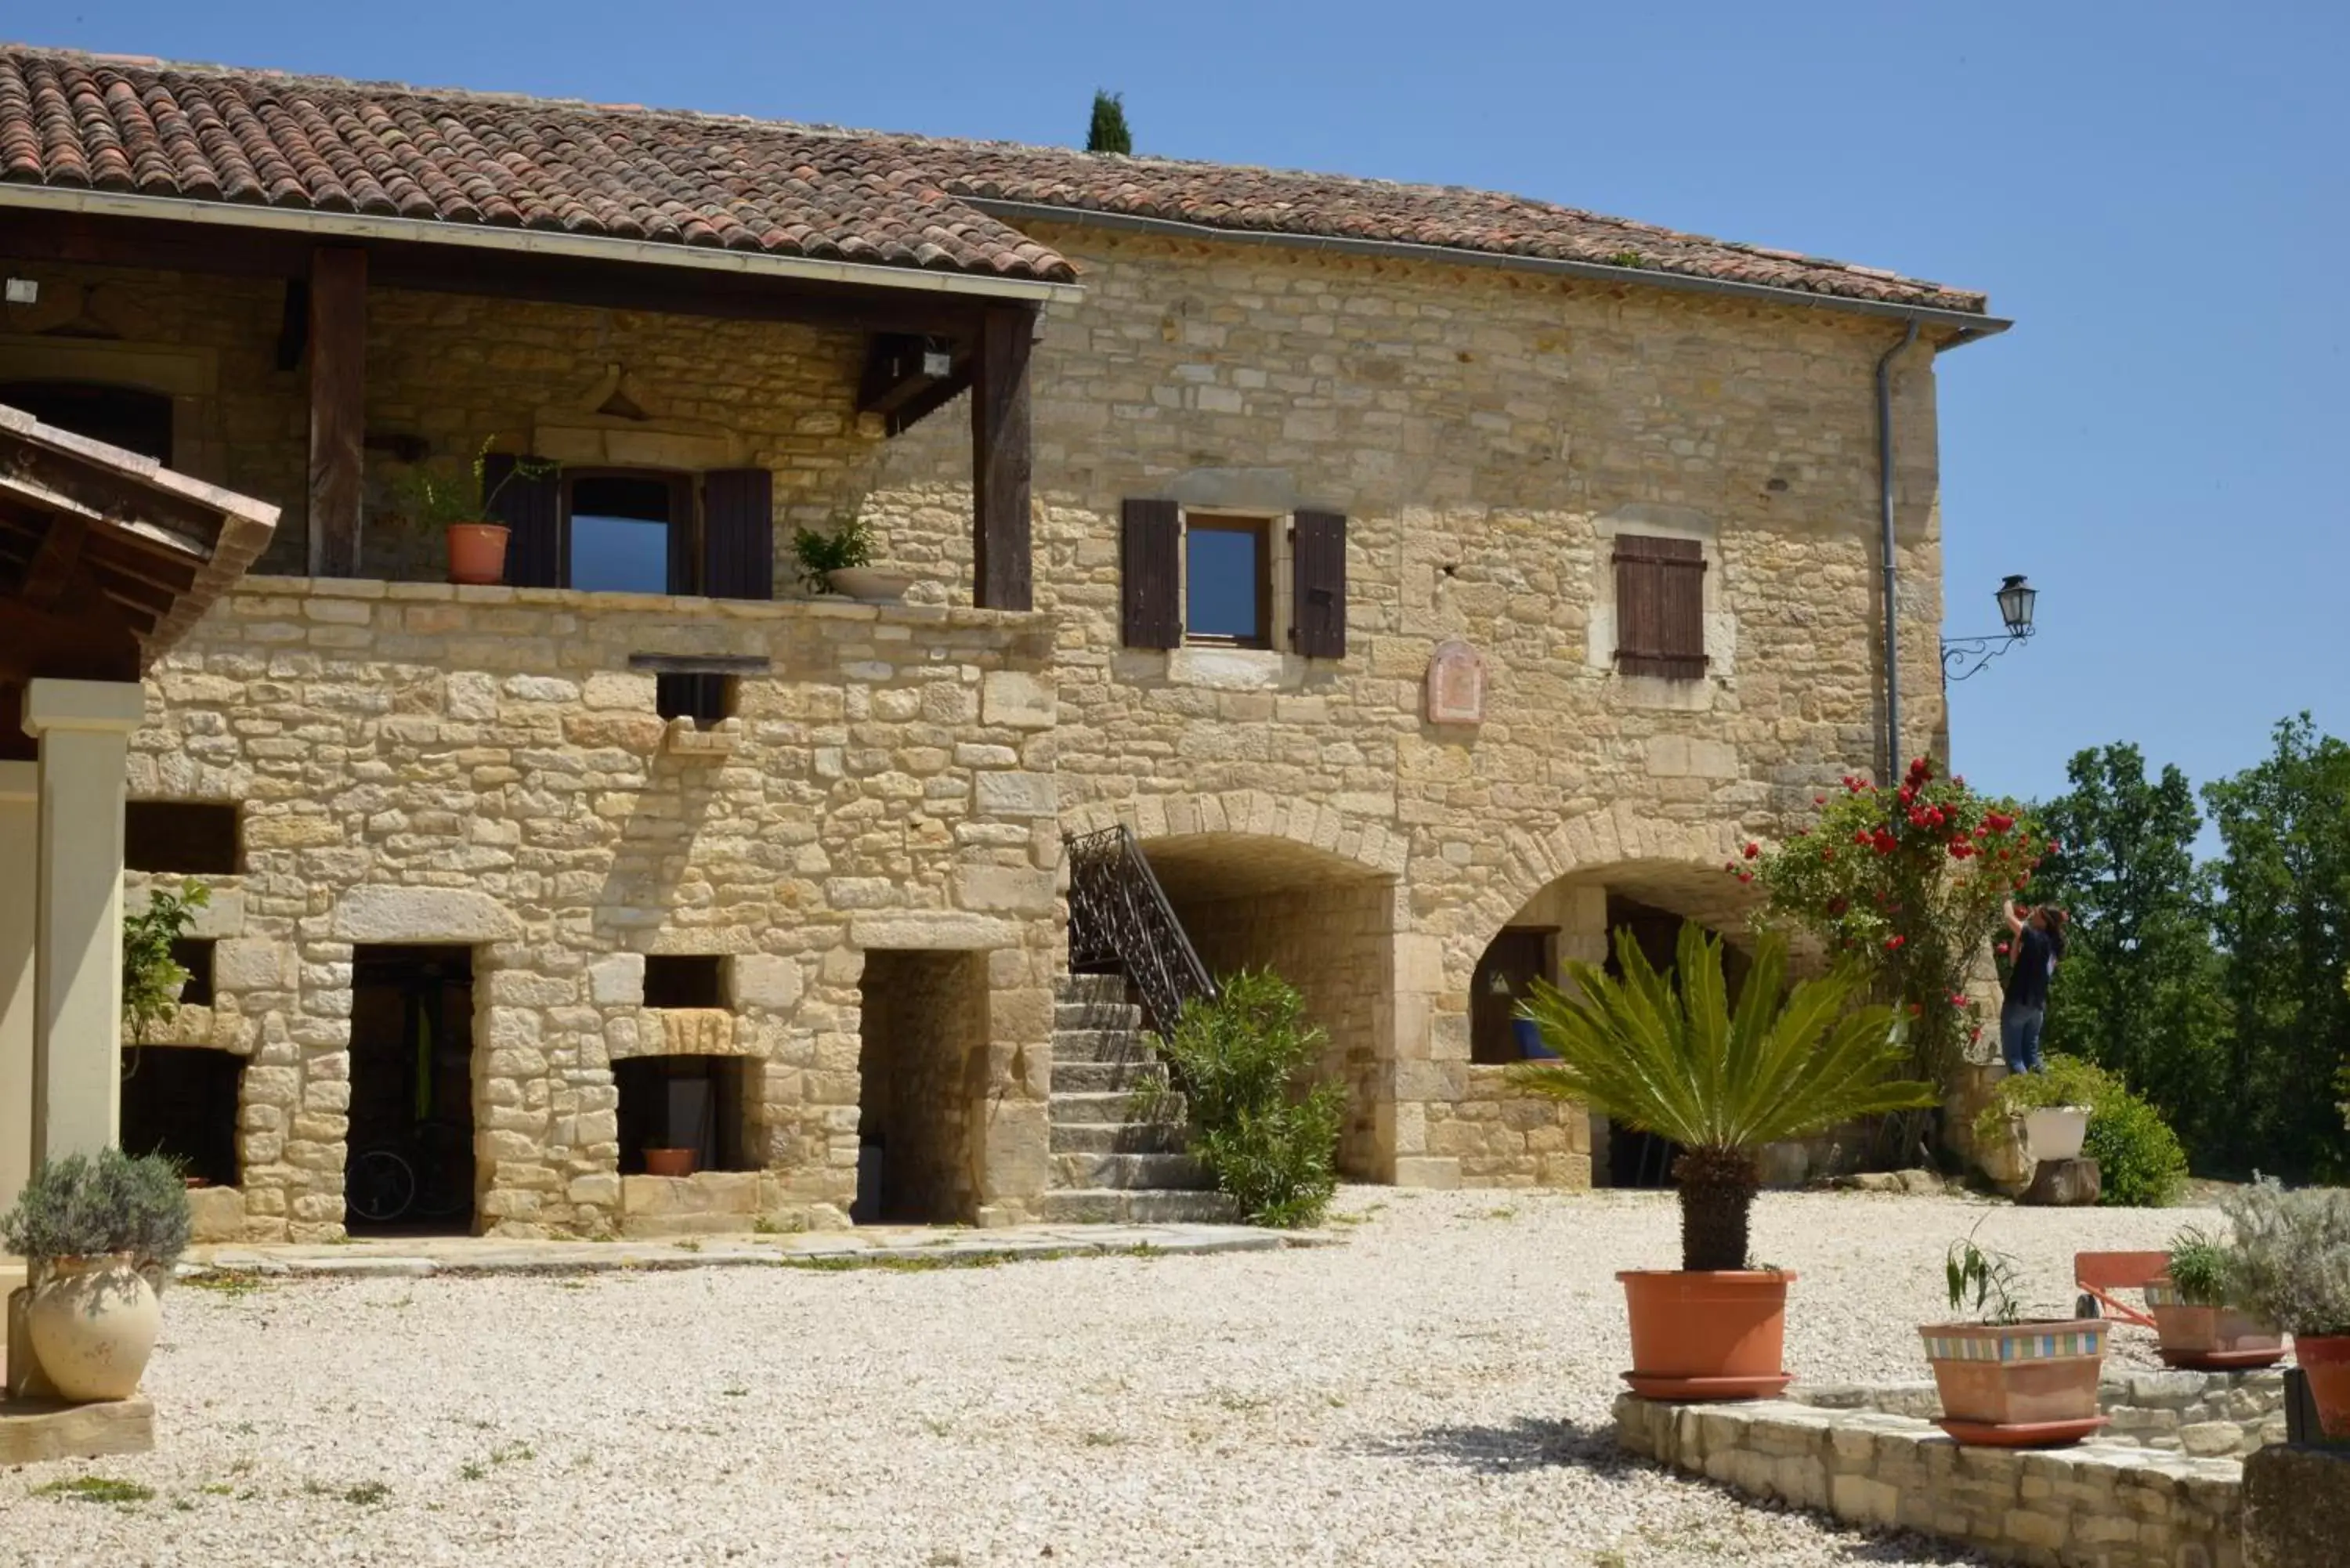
(84, 728)
(20, 793)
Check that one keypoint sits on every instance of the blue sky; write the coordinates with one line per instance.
(2157, 192)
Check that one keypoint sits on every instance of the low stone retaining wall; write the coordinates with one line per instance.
(1506, 1136)
(2210, 1414)
(2098, 1505)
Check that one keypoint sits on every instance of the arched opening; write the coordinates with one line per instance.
(132, 418)
(1577, 917)
(1323, 922)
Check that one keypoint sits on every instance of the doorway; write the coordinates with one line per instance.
(921, 1088)
(409, 1169)
(1505, 978)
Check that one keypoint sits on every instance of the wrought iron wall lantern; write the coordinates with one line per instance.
(1963, 655)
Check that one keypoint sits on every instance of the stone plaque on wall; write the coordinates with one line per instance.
(1456, 684)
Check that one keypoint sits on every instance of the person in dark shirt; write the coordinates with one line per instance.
(2039, 945)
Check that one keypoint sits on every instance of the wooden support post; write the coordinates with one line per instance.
(999, 459)
(337, 408)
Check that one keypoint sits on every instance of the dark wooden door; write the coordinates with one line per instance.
(1503, 976)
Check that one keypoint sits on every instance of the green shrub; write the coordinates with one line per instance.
(2141, 1164)
(84, 1207)
(1269, 1138)
(2289, 1262)
(2199, 1268)
(150, 979)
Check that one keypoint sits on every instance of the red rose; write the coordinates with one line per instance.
(2003, 949)
(1746, 876)
(1752, 851)
(1893, 943)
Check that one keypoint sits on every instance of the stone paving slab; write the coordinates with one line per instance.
(416, 1257)
(34, 1431)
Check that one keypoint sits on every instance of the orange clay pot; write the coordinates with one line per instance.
(477, 553)
(1708, 1335)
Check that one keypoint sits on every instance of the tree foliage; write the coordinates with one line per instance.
(2141, 994)
(1108, 132)
(150, 979)
(2283, 921)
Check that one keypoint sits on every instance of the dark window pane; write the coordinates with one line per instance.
(126, 417)
(1223, 569)
(618, 555)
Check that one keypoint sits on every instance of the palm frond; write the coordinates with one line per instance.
(1677, 1061)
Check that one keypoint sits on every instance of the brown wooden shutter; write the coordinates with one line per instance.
(1317, 606)
(531, 506)
(1660, 606)
(738, 533)
(1150, 574)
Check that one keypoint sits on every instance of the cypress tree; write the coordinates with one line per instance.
(1108, 133)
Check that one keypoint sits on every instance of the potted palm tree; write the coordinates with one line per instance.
(1722, 1082)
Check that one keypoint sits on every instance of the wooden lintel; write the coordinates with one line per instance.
(1001, 459)
(337, 408)
(702, 663)
(55, 563)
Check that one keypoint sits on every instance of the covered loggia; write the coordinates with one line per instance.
(1577, 917)
(1323, 922)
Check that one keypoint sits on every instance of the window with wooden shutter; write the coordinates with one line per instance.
(738, 533)
(531, 507)
(1151, 540)
(1317, 612)
(1659, 607)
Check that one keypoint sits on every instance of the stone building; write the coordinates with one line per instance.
(1415, 584)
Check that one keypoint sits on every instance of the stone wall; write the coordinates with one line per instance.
(2207, 1414)
(1504, 1136)
(2091, 1506)
(1487, 434)
(419, 764)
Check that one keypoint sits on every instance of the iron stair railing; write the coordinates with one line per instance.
(1119, 915)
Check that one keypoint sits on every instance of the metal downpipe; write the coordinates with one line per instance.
(1884, 520)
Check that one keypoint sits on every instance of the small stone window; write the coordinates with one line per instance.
(693, 1104)
(180, 1100)
(186, 837)
(704, 699)
(195, 954)
(683, 980)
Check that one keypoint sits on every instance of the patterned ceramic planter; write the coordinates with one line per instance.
(2018, 1385)
(2210, 1338)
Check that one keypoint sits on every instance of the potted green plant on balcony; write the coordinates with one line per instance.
(2201, 1331)
(94, 1231)
(2007, 1383)
(462, 506)
(2289, 1264)
(841, 561)
(1722, 1082)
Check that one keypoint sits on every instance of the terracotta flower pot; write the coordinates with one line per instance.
(1708, 1335)
(2210, 1338)
(2325, 1360)
(477, 553)
(669, 1162)
(2018, 1385)
(92, 1324)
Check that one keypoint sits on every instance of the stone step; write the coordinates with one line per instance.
(1101, 1078)
(1114, 1108)
(1101, 1045)
(1097, 1016)
(1119, 1205)
(1099, 987)
(1132, 1173)
(1119, 1137)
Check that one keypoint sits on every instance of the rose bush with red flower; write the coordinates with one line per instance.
(1919, 907)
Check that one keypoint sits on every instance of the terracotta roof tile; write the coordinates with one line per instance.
(116, 123)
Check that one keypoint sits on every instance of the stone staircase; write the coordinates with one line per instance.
(1109, 1164)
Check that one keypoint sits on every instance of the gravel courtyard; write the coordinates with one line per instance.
(1435, 1390)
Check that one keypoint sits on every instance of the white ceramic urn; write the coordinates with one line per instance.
(92, 1322)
